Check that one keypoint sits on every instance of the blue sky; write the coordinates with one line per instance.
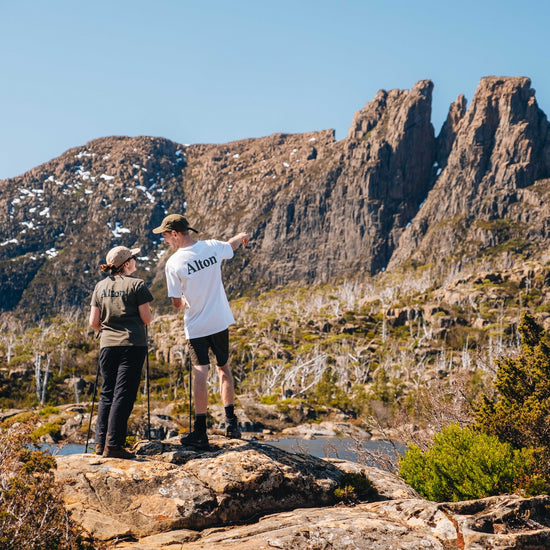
(212, 71)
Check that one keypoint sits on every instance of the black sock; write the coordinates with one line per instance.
(200, 423)
(229, 411)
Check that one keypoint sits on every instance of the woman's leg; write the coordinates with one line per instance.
(108, 367)
(127, 384)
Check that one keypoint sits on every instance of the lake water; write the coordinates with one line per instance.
(337, 447)
(321, 447)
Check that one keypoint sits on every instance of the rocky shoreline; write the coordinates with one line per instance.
(251, 495)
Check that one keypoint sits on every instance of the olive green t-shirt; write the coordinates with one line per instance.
(118, 299)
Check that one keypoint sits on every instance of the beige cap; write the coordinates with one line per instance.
(120, 254)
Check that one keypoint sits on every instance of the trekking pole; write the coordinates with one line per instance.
(147, 385)
(190, 368)
(92, 412)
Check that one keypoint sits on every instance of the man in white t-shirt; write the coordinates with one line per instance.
(194, 280)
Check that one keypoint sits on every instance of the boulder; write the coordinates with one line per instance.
(326, 429)
(168, 487)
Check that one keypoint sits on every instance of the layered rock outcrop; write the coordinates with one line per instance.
(173, 498)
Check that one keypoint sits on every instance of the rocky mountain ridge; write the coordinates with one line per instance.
(389, 196)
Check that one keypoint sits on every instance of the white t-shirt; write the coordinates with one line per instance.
(194, 273)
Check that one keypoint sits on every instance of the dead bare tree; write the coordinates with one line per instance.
(38, 375)
(41, 376)
(45, 380)
(386, 456)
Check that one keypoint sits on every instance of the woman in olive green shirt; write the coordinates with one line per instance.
(120, 310)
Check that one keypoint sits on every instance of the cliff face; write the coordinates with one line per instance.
(318, 209)
(492, 187)
(386, 174)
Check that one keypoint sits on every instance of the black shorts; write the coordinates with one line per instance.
(218, 343)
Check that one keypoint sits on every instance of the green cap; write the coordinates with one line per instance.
(174, 222)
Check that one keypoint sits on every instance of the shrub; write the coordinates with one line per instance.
(328, 393)
(519, 413)
(355, 487)
(269, 399)
(463, 464)
(48, 410)
(23, 417)
(52, 429)
(32, 514)
(381, 385)
(286, 405)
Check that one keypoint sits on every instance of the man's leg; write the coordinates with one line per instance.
(227, 391)
(220, 346)
(198, 438)
(200, 388)
(227, 386)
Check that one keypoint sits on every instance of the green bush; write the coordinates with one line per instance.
(269, 399)
(286, 405)
(355, 487)
(519, 412)
(48, 410)
(381, 385)
(328, 393)
(23, 417)
(463, 464)
(49, 428)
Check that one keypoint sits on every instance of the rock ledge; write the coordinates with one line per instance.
(249, 495)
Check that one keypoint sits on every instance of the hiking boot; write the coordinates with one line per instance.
(232, 428)
(197, 440)
(117, 452)
(99, 448)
